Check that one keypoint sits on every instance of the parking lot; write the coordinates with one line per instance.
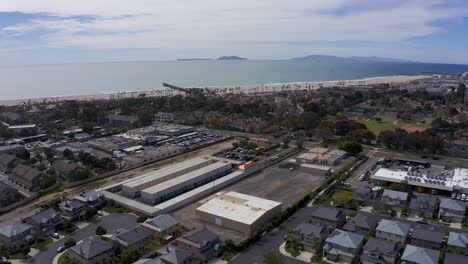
(273, 183)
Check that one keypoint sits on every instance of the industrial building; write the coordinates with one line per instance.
(456, 180)
(132, 188)
(171, 188)
(239, 212)
(307, 157)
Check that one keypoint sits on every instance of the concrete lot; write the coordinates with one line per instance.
(273, 183)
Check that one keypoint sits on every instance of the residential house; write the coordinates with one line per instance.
(8, 195)
(380, 251)
(91, 251)
(7, 162)
(92, 198)
(392, 230)
(419, 255)
(45, 222)
(361, 224)
(458, 242)
(201, 242)
(162, 226)
(451, 258)
(342, 246)
(427, 238)
(174, 255)
(147, 261)
(394, 198)
(16, 234)
(26, 176)
(73, 209)
(64, 167)
(364, 196)
(330, 216)
(310, 235)
(452, 210)
(423, 204)
(136, 237)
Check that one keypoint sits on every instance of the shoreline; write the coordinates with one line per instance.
(228, 89)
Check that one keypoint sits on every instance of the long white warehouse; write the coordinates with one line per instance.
(184, 183)
(132, 188)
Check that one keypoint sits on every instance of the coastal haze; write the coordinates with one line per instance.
(39, 81)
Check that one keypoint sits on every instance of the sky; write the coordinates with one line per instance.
(67, 31)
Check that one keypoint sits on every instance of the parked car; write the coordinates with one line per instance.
(100, 213)
(55, 235)
(61, 249)
(424, 222)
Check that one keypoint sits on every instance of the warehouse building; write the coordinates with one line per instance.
(307, 158)
(239, 212)
(176, 186)
(132, 188)
(456, 180)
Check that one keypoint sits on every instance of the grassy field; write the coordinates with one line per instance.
(377, 127)
(341, 197)
(42, 244)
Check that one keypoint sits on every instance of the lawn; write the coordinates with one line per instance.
(57, 189)
(19, 255)
(341, 197)
(43, 243)
(377, 127)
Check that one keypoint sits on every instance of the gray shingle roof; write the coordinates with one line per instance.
(13, 229)
(44, 216)
(6, 189)
(91, 247)
(393, 227)
(428, 235)
(395, 195)
(176, 256)
(451, 258)
(329, 213)
(382, 246)
(147, 261)
(133, 236)
(161, 222)
(344, 238)
(199, 236)
(452, 205)
(420, 255)
(458, 239)
(26, 172)
(361, 220)
(421, 201)
(308, 229)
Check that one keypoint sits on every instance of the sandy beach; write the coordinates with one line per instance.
(248, 89)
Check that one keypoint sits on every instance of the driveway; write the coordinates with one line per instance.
(111, 223)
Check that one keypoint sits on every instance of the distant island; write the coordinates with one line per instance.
(220, 58)
(231, 58)
(329, 58)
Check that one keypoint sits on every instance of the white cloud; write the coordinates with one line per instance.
(176, 25)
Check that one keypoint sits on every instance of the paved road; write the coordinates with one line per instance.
(271, 242)
(111, 222)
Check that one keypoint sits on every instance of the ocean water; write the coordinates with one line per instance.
(19, 82)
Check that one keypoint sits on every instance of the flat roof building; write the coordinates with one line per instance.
(239, 212)
(307, 158)
(173, 187)
(132, 188)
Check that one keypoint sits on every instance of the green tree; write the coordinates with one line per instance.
(351, 147)
(129, 255)
(100, 231)
(273, 258)
(70, 243)
(286, 141)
